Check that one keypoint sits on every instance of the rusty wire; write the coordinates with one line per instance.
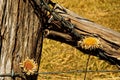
(70, 26)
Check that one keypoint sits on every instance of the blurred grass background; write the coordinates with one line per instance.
(57, 56)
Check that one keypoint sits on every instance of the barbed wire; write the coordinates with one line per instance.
(69, 26)
(59, 72)
(55, 16)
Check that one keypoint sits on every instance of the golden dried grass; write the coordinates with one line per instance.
(57, 56)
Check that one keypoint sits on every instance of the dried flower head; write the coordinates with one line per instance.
(29, 66)
(90, 43)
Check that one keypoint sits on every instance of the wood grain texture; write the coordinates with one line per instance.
(21, 37)
(109, 39)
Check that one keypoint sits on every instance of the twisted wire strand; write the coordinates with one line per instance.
(60, 72)
(70, 26)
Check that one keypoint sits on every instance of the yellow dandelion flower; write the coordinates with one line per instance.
(29, 66)
(90, 43)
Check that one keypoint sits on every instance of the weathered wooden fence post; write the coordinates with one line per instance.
(20, 40)
(21, 24)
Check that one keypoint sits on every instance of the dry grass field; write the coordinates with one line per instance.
(57, 56)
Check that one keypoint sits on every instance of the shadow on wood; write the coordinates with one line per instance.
(109, 40)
